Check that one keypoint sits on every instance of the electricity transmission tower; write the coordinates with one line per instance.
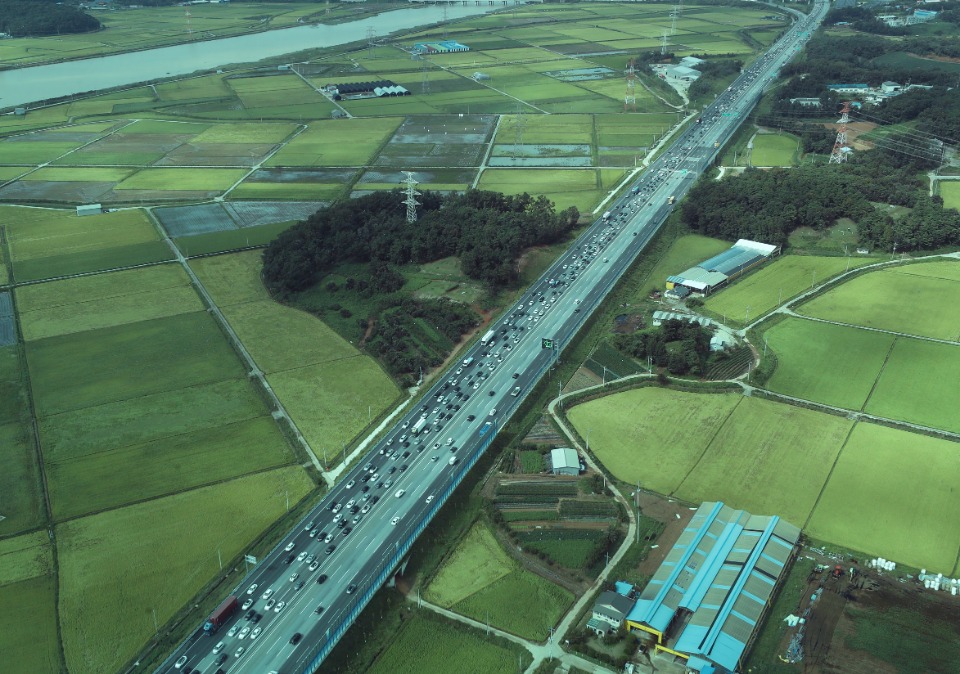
(840, 147)
(630, 97)
(411, 193)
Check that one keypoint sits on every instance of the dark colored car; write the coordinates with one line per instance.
(295, 639)
(222, 658)
(322, 579)
(351, 588)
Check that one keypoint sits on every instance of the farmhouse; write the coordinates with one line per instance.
(609, 612)
(564, 461)
(709, 596)
(720, 269)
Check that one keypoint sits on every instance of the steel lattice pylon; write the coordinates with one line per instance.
(839, 154)
(411, 192)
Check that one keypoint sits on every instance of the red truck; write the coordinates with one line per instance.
(219, 617)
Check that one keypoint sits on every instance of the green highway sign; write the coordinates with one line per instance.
(547, 343)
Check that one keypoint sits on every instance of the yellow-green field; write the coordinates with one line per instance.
(907, 299)
(113, 577)
(329, 388)
(809, 467)
(481, 581)
(950, 193)
(104, 300)
(582, 188)
(343, 142)
(776, 282)
(782, 149)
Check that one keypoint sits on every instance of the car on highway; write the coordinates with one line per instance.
(298, 586)
(220, 660)
(249, 615)
(351, 484)
(252, 588)
(318, 610)
(295, 639)
(293, 576)
(218, 647)
(351, 588)
(279, 606)
(430, 498)
(233, 631)
(400, 492)
(321, 579)
(346, 530)
(394, 521)
(315, 565)
(328, 538)
(365, 509)
(290, 546)
(471, 417)
(330, 549)
(181, 662)
(302, 556)
(247, 604)
(243, 633)
(255, 633)
(269, 605)
(239, 652)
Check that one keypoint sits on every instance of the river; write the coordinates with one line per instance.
(37, 83)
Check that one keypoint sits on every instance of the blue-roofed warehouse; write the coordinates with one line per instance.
(720, 269)
(709, 596)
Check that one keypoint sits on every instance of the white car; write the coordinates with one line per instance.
(310, 559)
(328, 538)
(181, 662)
(243, 633)
(279, 607)
(351, 484)
(266, 594)
(233, 631)
(218, 647)
(255, 633)
(252, 588)
(394, 521)
(351, 503)
(293, 577)
(365, 509)
(302, 556)
(315, 565)
(290, 546)
(238, 652)
(430, 498)
(269, 606)
(247, 604)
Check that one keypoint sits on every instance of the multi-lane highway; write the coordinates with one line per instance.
(304, 594)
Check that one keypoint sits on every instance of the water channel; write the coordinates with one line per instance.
(23, 86)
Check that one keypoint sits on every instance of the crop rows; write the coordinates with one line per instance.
(553, 488)
(574, 508)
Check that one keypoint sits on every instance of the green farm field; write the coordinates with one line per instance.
(28, 635)
(477, 561)
(775, 149)
(47, 243)
(777, 281)
(104, 300)
(900, 299)
(826, 363)
(481, 581)
(91, 483)
(427, 644)
(950, 193)
(112, 577)
(71, 372)
(20, 480)
(753, 461)
(343, 142)
(932, 398)
(186, 179)
(13, 395)
(892, 494)
(582, 188)
(628, 433)
(814, 469)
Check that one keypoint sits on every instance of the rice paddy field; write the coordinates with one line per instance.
(776, 282)
(583, 188)
(48, 243)
(816, 470)
(330, 389)
(907, 299)
(481, 581)
(27, 582)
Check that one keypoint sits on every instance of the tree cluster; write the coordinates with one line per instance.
(398, 339)
(486, 230)
(768, 205)
(862, 19)
(714, 76)
(37, 18)
(683, 347)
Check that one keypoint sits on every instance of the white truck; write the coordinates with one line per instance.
(486, 339)
(417, 427)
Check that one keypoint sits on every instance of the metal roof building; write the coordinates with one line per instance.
(564, 461)
(720, 269)
(709, 595)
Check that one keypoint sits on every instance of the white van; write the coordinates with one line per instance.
(453, 460)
